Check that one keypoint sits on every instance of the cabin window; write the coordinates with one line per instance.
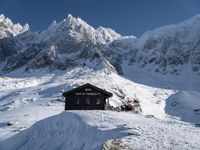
(77, 101)
(87, 101)
(98, 101)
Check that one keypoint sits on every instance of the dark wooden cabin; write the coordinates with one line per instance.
(86, 97)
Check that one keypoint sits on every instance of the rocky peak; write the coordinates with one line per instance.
(8, 29)
(80, 30)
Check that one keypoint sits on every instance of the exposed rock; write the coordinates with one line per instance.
(116, 144)
(7, 48)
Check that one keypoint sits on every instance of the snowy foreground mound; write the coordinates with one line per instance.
(89, 130)
(64, 131)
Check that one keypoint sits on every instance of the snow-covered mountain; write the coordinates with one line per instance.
(66, 44)
(160, 68)
(171, 49)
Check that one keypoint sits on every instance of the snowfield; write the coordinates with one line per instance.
(91, 129)
(161, 68)
(30, 102)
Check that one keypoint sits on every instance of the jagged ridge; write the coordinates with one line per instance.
(73, 42)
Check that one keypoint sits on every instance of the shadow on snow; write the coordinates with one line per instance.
(63, 131)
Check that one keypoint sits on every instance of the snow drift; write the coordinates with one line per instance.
(62, 132)
(184, 105)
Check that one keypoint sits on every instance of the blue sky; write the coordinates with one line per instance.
(128, 17)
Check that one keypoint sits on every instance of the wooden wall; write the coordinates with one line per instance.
(85, 99)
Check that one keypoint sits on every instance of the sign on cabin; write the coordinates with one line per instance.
(86, 97)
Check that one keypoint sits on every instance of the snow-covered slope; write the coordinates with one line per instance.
(184, 105)
(29, 98)
(171, 49)
(63, 131)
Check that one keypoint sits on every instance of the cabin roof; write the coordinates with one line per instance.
(108, 94)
